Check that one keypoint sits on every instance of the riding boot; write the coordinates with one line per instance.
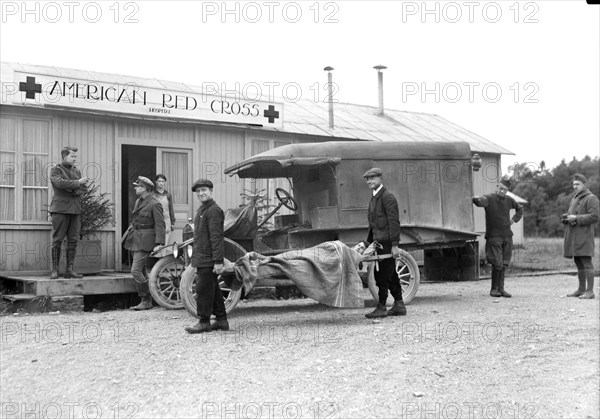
(589, 292)
(581, 275)
(55, 262)
(495, 283)
(501, 284)
(69, 272)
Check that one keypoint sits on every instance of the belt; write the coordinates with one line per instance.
(143, 226)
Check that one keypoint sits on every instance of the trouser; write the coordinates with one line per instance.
(139, 272)
(209, 299)
(498, 251)
(68, 225)
(386, 277)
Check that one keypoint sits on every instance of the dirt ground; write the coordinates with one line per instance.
(459, 353)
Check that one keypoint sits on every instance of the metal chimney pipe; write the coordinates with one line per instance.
(379, 69)
(330, 91)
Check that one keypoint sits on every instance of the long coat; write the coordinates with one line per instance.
(65, 184)
(579, 238)
(148, 225)
(384, 221)
(208, 236)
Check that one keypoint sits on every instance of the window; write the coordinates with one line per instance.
(24, 156)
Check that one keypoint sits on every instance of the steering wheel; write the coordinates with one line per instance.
(286, 199)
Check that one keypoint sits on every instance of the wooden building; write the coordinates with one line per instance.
(126, 126)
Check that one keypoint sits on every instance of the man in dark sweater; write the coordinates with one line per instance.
(384, 228)
(498, 235)
(207, 258)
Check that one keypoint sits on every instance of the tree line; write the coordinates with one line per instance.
(549, 191)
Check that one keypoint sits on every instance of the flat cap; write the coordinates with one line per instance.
(202, 182)
(506, 182)
(375, 171)
(144, 181)
(580, 177)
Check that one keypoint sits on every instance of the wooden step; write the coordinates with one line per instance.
(113, 283)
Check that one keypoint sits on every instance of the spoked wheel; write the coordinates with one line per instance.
(188, 291)
(408, 273)
(233, 252)
(164, 282)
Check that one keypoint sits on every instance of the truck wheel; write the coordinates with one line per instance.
(408, 272)
(188, 292)
(164, 281)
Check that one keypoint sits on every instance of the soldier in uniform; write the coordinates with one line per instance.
(498, 235)
(384, 227)
(68, 185)
(145, 235)
(207, 258)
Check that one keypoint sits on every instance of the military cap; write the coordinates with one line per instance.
(144, 181)
(375, 171)
(579, 177)
(202, 182)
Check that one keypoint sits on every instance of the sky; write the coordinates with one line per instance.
(525, 75)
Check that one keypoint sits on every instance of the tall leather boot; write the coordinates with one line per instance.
(55, 262)
(69, 272)
(495, 283)
(589, 292)
(581, 275)
(501, 284)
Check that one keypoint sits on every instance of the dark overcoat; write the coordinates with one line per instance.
(148, 225)
(66, 189)
(384, 221)
(208, 236)
(579, 238)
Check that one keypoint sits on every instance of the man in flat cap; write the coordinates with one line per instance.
(207, 258)
(579, 235)
(498, 235)
(145, 235)
(68, 185)
(384, 227)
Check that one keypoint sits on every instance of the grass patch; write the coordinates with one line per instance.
(543, 253)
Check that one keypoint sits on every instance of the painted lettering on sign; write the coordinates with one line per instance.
(40, 90)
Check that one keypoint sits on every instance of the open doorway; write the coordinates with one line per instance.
(136, 161)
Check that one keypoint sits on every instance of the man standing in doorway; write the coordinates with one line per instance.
(68, 185)
(498, 235)
(207, 258)
(145, 235)
(384, 228)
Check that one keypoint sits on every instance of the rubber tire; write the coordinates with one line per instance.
(155, 286)
(409, 288)
(188, 295)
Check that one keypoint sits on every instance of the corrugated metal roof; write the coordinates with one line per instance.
(304, 117)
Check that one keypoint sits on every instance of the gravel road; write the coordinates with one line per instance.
(458, 353)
